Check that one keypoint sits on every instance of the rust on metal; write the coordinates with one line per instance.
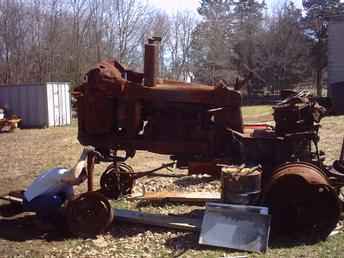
(302, 201)
(150, 67)
(91, 157)
(200, 126)
(297, 113)
(241, 185)
(89, 214)
(157, 42)
(118, 179)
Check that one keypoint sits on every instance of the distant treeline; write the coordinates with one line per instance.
(59, 40)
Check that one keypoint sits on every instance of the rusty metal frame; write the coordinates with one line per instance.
(199, 126)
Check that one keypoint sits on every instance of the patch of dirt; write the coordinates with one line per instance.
(25, 153)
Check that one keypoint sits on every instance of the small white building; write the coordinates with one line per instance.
(38, 105)
(336, 62)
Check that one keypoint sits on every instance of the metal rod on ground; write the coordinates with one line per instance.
(142, 174)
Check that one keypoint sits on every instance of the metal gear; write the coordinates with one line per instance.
(117, 180)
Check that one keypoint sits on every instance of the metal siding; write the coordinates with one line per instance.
(336, 51)
(65, 94)
(29, 96)
(45, 104)
(58, 104)
(20, 103)
(40, 98)
(33, 103)
(61, 100)
(63, 104)
(68, 104)
(23, 101)
(336, 63)
(50, 105)
(53, 104)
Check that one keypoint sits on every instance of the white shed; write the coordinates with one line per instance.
(336, 62)
(38, 105)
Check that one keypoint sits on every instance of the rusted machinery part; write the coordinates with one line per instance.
(117, 180)
(91, 158)
(302, 201)
(312, 166)
(89, 214)
(339, 166)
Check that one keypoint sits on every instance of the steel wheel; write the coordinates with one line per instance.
(117, 181)
(89, 214)
(301, 202)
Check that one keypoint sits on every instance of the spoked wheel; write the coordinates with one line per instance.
(89, 214)
(302, 202)
(117, 180)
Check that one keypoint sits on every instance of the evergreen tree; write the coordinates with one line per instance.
(249, 20)
(283, 50)
(224, 43)
(211, 42)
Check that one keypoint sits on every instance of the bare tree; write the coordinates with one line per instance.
(12, 39)
(182, 25)
(127, 22)
(160, 26)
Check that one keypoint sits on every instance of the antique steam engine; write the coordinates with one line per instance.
(200, 127)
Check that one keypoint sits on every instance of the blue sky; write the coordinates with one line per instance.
(171, 6)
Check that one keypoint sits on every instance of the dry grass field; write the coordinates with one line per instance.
(25, 153)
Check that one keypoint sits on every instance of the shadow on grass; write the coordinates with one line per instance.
(19, 227)
(277, 242)
(189, 241)
(183, 243)
(165, 175)
(10, 210)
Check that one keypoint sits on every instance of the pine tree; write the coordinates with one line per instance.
(211, 41)
(224, 43)
(249, 20)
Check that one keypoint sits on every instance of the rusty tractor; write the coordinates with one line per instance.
(200, 127)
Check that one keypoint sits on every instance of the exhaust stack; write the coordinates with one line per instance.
(152, 62)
